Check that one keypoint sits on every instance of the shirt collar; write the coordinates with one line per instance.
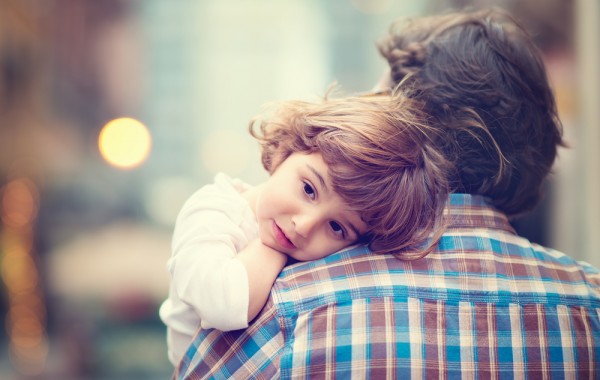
(474, 211)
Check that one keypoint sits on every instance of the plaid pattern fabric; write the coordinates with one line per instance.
(486, 304)
(252, 353)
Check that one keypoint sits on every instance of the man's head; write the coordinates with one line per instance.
(483, 82)
(379, 158)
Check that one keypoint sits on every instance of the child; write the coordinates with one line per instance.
(342, 171)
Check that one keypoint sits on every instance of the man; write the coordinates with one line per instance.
(486, 302)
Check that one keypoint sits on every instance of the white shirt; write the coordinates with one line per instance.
(209, 289)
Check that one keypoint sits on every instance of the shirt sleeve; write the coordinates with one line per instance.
(243, 354)
(204, 273)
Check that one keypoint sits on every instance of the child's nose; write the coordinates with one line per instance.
(305, 223)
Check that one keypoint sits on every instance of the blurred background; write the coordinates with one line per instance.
(112, 112)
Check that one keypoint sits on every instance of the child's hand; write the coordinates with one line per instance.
(262, 264)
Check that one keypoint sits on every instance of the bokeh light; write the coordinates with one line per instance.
(26, 315)
(125, 143)
(19, 202)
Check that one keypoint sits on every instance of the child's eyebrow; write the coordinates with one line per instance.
(319, 177)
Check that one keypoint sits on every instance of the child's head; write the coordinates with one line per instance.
(379, 159)
(484, 83)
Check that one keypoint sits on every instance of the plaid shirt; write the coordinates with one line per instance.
(486, 304)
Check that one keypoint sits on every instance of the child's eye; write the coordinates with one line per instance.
(309, 190)
(337, 229)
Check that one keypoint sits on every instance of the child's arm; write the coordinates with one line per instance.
(224, 291)
(262, 264)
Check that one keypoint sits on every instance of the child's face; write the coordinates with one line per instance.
(300, 215)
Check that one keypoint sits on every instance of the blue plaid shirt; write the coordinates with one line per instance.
(485, 304)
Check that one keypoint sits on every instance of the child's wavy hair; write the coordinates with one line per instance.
(380, 159)
(483, 82)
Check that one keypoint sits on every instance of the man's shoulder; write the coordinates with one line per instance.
(473, 265)
(351, 274)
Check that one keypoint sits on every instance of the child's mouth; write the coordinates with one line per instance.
(281, 238)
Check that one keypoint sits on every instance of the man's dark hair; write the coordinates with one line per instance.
(484, 83)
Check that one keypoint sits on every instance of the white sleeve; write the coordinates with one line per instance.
(204, 273)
